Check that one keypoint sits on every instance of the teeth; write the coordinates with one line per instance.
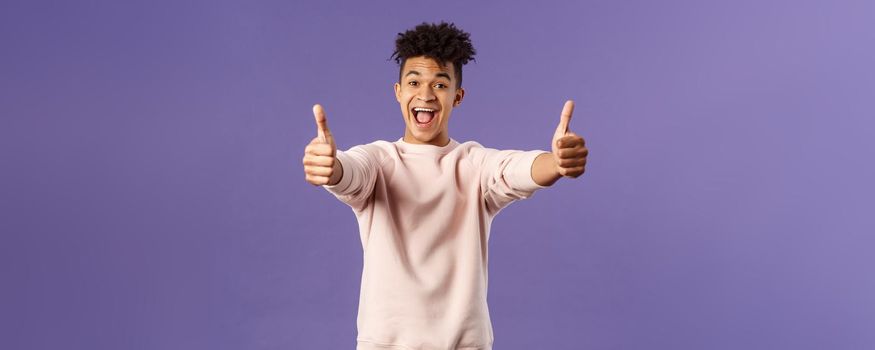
(423, 109)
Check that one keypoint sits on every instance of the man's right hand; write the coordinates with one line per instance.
(320, 165)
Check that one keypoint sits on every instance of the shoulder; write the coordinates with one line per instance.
(469, 147)
(378, 150)
(377, 146)
(475, 153)
(474, 149)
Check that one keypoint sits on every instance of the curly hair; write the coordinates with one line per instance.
(442, 42)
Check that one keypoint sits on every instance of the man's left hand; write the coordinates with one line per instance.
(569, 149)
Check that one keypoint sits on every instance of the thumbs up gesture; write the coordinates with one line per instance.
(320, 165)
(569, 149)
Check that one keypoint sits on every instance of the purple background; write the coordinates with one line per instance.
(153, 196)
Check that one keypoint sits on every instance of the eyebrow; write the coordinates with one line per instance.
(441, 74)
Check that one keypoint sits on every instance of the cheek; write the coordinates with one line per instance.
(407, 98)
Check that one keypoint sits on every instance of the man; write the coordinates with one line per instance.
(425, 203)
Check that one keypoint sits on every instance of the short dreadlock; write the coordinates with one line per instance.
(442, 42)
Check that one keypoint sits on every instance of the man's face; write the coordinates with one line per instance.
(427, 94)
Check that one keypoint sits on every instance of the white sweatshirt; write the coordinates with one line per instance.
(424, 214)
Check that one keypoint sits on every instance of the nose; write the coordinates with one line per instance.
(425, 95)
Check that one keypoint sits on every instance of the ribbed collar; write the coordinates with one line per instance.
(407, 147)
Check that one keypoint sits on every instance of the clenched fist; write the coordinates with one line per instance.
(320, 165)
(569, 149)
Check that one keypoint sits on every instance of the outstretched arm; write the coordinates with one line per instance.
(568, 156)
(349, 175)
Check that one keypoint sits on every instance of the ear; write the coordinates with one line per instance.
(460, 94)
(398, 92)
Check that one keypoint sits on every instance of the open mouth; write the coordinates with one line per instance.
(424, 116)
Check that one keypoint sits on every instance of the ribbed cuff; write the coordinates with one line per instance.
(522, 176)
(346, 179)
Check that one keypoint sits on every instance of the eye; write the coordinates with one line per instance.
(412, 83)
(440, 85)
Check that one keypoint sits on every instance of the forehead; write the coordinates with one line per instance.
(427, 66)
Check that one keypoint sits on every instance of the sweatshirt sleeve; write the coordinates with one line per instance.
(506, 176)
(360, 166)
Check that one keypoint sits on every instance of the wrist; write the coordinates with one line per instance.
(336, 172)
(545, 170)
(556, 168)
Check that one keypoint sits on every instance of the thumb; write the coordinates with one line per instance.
(564, 119)
(321, 123)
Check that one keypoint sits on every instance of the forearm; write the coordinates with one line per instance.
(544, 170)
